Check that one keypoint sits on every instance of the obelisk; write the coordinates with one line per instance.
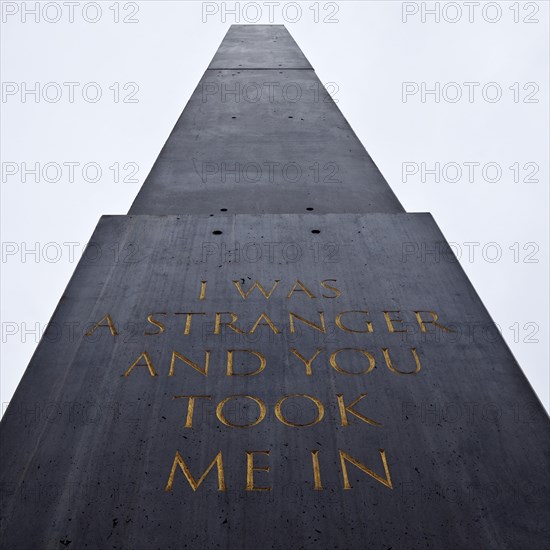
(272, 359)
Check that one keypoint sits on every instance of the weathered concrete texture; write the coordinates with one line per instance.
(86, 452)
(262, 141)
(259, 47)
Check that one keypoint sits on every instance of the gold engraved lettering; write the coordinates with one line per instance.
(176, 355)
(341, 325)
(203, 290)
(230, 371)
(281, 418)
(257, 285)
(384, 481)
(344, 409)
(321, 328)
(191, 406)
(389, 363)
(390, 321)
(188, 320)
(223, 420)
(318, 486)
(433, 322)
(178, 461)
(337, 293)
(250, 469)
(302, 289)
(156, 323)
(109, 324)
(267, 321)
(306, 362)
(218, 322)
(336, 367)
(148, 364)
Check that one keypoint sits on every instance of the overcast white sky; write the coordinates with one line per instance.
(367, 52)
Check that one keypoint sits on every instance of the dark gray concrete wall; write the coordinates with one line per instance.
(259, 47)
(262, 135)
(87, 452)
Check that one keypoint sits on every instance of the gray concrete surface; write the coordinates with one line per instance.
(262, 140)
(259, 47)
(90, 450)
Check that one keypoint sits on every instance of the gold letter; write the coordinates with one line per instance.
(250, 471)
(336, 367)
(307, 363)
(340, 325)
(191, 406)
(433, 322)
(344, 456)
(109, 324)
(318, 404)
(203, 290)
(257, 285)
(148, 363)
(218, 322)
(223, 420)
(316, 471)
(320, 328)
(343, 408)
(303, 289)
(337, 293)
(178, 461)
(230, 353)
(390, 321)
(176, 355)
(156, 323)
(386, 353)
(268, 321)
(189, 314)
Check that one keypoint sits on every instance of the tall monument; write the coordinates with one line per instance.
(276, 354)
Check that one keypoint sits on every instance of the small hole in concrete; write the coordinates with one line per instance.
(233, 117)
(316, 231)
(223, 209)
(217, 232)
(290, 117)
(310, 209)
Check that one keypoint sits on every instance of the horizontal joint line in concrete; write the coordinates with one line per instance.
(260, 69)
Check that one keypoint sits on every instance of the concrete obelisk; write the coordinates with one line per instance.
(272, 360)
